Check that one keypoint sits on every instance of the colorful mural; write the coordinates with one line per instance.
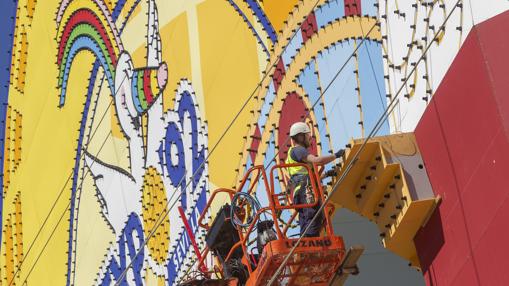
(119, 116)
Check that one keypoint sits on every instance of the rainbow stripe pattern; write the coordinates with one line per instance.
(145, 88)
(86, 25)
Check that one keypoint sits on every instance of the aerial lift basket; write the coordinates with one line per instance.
(315, 261)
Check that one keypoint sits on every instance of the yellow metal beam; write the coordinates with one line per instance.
(386, 186)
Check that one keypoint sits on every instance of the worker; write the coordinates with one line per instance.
(299, 177)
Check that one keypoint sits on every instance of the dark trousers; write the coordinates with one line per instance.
(306, 214)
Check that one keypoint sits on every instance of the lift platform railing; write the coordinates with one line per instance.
(275, 206)
(314, 173)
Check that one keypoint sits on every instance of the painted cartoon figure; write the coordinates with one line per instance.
(162, 171)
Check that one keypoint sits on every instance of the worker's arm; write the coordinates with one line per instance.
(322, 160)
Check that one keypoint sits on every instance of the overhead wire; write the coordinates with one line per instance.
(61, 217)
(82, 176)
(329, 85)
(356, 155)
(390, 107)
(336, 101)
(39, 231)
(390, 47)
(81, 155)
(379, 91)
(323, 93)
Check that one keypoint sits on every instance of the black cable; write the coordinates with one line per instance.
(160, 220)
(323, 92)
(327, 87)
(250, 200)
(62, 216)
(373, 70)
(78, 198)
(59, 194)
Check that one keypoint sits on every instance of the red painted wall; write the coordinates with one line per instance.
(309, 27)
(464, 140)
(353, 8)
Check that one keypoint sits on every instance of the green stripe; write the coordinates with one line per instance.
(85, 29)
(141, 94)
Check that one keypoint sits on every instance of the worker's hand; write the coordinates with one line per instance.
(340, 153)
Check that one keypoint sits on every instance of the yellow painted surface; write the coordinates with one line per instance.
(7, 148)
(135, 12)
(116, 131)
(233, 52)
(22, 61)
(277, 11)
(30, 8)
(19, 228)
(17, 138)
(154, 202)
(401, 240)
(176, 52)
(48, 142)
(9, 251)
(12, 245)
(139, 56)
(47, 134)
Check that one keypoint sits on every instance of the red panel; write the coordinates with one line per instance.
(428, 277)
(491, 254)
(309, 27)
(430, 240)
(445, 247)
(467, 110)
(486, 191)
(279, 73)
(465, 147)
(434, 151)
(353, 7)
(147, 88)
(293, 110)
(255, 143)
(466, 276)
(495, 50)
(456, 250)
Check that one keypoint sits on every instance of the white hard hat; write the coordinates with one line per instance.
(299, 127)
